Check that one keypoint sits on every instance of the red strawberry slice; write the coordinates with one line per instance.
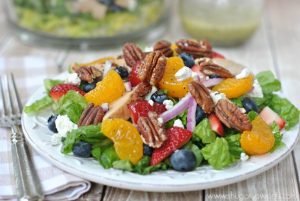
(217, 55)
(269, 116)
(142, 108)
(177, 137)
(61, 89)
(216, 124)
(133, 76)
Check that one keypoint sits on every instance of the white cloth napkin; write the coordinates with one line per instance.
(56, 184)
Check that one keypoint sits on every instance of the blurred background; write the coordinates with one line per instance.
(259, 34)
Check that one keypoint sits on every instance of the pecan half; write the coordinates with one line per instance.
(152, 132)
(201, 96)
(231, 116)
(195, 48)
(208, 67)
(152, 68)
(141, 90)
(132, 54)
(87, 73)
(164, 47)
(91, 115)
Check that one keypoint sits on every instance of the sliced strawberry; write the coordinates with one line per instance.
(133, 76)
(142, 108)
(217, 55)
(61, 89)
(216, 124)
(269, 116)
(176, 138)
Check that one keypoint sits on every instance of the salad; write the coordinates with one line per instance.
(88, 18)
(175, 106)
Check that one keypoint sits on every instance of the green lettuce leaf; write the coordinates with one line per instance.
(38, 105)
(48, 84)
(278, 137)
(71, 104)
(234, 145)
(251, 115)
(286, 110)
(204, 132)
(268, 82)
(143, 166)
(218, 154)
(108, 157)
(123, 165)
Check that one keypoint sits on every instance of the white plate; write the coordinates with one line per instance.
(38, 136)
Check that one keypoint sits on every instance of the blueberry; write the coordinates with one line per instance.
(187, 59)
(183, 160)
(249, 104)
(107, 2)
(159, 97)
(122, 71)
(82, 149)
(116, 8)
(200, 114)
(51, 123)
(86, 87)
(214, 76)
(147, 150)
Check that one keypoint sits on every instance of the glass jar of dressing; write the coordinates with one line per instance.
(222, 22)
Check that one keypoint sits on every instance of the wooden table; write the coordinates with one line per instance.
(275, 46)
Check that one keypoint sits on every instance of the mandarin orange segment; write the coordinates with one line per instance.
(98, 61)
(259, 140)
(169, 82)
(234, 88)
(127, 141)
(108, 90)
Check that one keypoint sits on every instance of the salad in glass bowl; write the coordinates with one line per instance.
(175, 106)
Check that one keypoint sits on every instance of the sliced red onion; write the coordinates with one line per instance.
(182, 105)
(212, 82)
(191, 115)
(127, 86)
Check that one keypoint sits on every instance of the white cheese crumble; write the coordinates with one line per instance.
(216, 96)
(72, 78)
(153, 90)
(256, 91)
(148, 49)
(64, 125)
(107, 66)
(160, 120)
(244, 156)
(178, 123)
(105, 106)
(127, 86)
(244, 73)
(183, 73)
(151, 102)
(242, 110)
(169, 104)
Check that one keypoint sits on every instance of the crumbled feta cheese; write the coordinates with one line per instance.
(72, 78)
(151, 102)
(105, 106)
(127, 86)
(178, 123)
(153, 90)
(245, 72)
(55, 139)
(148, 49)
(64, 125)
(160, 120)
(169, 104)
(206, 78)
(216, 96)
(183, 73)
(242, 110)
(107, 67)
(256, 91)
(244, 157)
